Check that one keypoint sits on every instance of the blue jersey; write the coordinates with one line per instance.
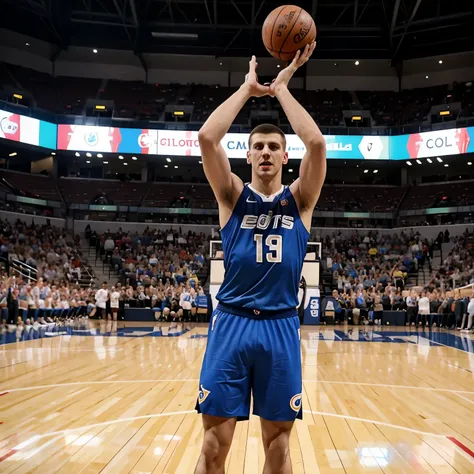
(264, 244)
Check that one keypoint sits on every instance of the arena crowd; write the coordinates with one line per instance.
(370, 273)
(166, 271)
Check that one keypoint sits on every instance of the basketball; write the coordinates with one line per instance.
(286, 30)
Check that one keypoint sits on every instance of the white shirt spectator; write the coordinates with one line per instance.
(109, 244)
(114, 299)
(424, 305)
(470, 307)
(185, 300)
(101, 298)
(411, 301)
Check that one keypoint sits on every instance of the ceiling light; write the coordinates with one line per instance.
(366, 171)
(419, 162)
(105, 162)
(125, 164)
(168, 160)
(166, 166)
(429, 160)
(409, 163)
(440, 61)
(200, 162)
(291, 170)
(87, 161)
(278, 66)
(27, 44)
(357, 63)
(446, 165)
(376, 171)
(89, 155)
(13, 154)
(77, 153)
(120, 157)
(95, 51)
(53, 153)
(469, 163)
(134, 158)
(175, 166)
(426, 77)
(220, 64)
(439, 159)
(335, 64)
(99, 155)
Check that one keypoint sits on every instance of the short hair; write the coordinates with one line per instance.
(267, 129)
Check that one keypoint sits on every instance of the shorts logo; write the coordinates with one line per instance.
(214, 319)
(295, 402)
(203, 394)
(256, 311)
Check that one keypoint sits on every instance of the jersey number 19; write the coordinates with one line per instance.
(274, 245)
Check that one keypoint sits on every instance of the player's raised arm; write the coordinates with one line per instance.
(313, 168)
(214, 160)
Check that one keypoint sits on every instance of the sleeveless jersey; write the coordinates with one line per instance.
(264, 244)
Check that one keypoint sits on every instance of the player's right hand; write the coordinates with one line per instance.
(286, 74)
(255, 89)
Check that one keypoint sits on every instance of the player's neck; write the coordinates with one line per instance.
(267, 188)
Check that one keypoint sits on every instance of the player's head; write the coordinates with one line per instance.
(267, 151)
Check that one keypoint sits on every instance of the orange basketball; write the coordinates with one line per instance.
(286, 30)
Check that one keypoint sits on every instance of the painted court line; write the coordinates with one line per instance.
(461, 446)
(384, 385)
(464, 398)
(380, 423)
(36, 438)
(105, 382)
(9, 454)
(450, 347)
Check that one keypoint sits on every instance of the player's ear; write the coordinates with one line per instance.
(249, 161)
(285, 158)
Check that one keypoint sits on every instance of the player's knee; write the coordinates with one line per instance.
(276, 440)
(215, 447)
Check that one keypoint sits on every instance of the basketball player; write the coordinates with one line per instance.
(253, 340)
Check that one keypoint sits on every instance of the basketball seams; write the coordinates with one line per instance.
(273, 27)
(289, 33)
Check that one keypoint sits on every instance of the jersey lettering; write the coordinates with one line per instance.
(263, 221)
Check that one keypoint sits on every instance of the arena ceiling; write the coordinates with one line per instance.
(347, 29)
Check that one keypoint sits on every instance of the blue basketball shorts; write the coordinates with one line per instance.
(247, 355)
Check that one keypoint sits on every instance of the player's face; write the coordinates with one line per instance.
(267, 154)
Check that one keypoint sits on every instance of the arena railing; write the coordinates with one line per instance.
(26, 271)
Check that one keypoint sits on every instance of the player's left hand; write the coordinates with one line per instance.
(284, 77)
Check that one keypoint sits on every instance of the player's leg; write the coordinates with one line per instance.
(224, 385)
(276, 443)
(218, 434)
(277, 387)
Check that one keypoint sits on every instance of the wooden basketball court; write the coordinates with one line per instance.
(376, 400)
